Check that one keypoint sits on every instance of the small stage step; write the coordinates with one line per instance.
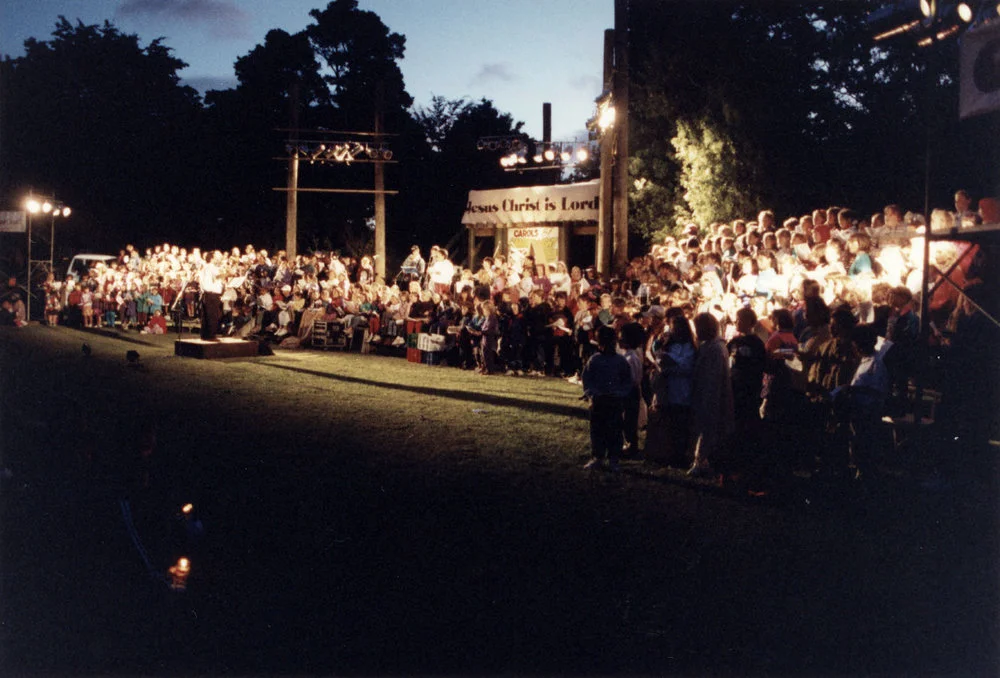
(223, 347)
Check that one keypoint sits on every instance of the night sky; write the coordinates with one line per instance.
(519, 53)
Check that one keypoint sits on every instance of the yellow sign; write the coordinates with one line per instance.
(541, 242)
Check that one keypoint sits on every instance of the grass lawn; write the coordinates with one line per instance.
(364, 515)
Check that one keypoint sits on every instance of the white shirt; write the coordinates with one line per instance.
(209, 280)
(442, 271)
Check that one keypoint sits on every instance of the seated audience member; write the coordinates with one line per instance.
(157, 323)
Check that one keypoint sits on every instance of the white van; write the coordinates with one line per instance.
(82, 263)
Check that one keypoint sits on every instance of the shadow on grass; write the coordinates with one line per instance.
(119, 335)
(481, 398)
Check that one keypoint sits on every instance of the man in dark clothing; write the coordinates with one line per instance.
(749, 357)
(536, 319)
(560, 339)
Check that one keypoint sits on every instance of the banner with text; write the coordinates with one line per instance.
(509, 207)
(540, 242)
(12, 222)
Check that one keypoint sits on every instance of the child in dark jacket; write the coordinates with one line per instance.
(514, 337)
(607, 381)
(490, 338)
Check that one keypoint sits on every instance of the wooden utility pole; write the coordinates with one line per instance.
(602, 252)
(292, 202)
(379, 188)
(620, 98)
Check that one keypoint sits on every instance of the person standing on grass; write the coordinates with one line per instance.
(607, 381)
(712, 418)
(490, 338)
(633, 337)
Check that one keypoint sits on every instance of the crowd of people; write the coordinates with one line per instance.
(731, 328)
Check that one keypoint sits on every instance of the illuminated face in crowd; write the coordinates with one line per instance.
(962, 202)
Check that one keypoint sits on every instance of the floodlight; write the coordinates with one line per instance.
(606, 118)
(33, 206)
(965, 12)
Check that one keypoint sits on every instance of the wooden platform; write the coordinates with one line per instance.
(224, 347)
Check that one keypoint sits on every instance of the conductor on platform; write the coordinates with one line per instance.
(210, 281)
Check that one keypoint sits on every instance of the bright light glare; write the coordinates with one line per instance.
(607, 118)
(565, 156)
(33, 206)
(927, 8)
(46, 207)
(66, 211)
(538, 157)
(964, 12)
(187, 508)
(550, 155)
(582, 154)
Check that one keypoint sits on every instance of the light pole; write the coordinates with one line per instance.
(34, 205)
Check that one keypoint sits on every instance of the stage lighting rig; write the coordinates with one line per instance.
(342, 152)
(928, 21)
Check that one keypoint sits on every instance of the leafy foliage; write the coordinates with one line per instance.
(713, 174)
(813, 109)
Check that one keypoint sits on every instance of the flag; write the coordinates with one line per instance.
(979, 90)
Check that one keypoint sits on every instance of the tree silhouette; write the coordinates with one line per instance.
(241, 129)
(455, 165)
(105, 124)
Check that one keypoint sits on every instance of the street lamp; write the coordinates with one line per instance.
(54, 209)
(605, 116)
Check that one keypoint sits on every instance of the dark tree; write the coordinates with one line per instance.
(361, 54)
(104, 123)
(818, 113)
(278, 81)
(455, 165)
